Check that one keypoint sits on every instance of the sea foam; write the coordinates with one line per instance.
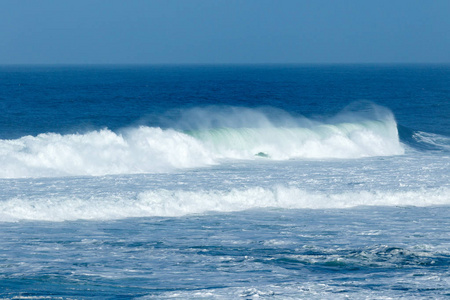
(173, 203)
(242, 134)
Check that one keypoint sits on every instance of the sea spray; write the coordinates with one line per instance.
(248, 134)
(139, 150)
(345, 140)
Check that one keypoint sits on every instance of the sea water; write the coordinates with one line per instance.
(225, 182)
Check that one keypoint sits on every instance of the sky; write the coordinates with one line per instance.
(224, 31)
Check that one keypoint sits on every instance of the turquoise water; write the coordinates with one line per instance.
(225, 182)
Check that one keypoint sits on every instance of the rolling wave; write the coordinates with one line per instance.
(344, 140)
(432, 140)
(424, 141)
(173, 203)
(248, 134)
(140, 150)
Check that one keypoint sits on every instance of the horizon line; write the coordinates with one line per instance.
(226, 64)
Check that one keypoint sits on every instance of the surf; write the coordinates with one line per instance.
(342, 140)
(203, 137)
(176, 203)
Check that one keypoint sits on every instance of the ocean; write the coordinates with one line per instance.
(225, 182)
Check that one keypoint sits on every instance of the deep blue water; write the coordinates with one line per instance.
(225, 182)
(68, 99)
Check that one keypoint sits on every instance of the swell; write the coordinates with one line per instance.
(173, 203)
(424, 141)
(243, 134)
(342, 140)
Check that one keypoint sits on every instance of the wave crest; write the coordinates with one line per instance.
(173, 203)
(255, 134)
(344, 140)
(140, 150)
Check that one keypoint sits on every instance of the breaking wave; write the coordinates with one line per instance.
(173, 203)
(424, 141)
(209, 138)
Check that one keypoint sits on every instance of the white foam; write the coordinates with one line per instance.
(439, 141)
(342, 140)
(152, 150)
(139, 150)
(174, 203)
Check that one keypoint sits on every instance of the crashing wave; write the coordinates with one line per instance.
(243, 134)
(173, 203)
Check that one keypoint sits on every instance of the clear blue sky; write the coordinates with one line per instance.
(224, 31)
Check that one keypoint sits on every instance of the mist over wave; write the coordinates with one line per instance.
(200, 138)
(433, 141)
(173, 203)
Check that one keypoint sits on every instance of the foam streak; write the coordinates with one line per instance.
(179, 202)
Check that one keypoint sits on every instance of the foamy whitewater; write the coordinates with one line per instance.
(147, 191)
(152, 149)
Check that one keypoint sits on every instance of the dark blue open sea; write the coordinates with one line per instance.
(225, 182)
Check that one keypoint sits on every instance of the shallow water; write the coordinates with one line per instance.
(368, 252)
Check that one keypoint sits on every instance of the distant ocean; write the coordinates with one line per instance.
(225, 182)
